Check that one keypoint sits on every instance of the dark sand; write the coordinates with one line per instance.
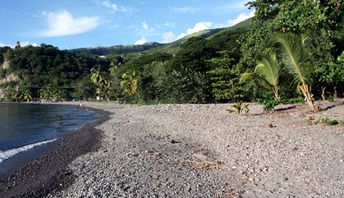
(49, 173)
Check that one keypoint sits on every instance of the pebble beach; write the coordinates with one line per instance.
(194, 150)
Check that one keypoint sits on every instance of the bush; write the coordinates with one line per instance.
(330, 98)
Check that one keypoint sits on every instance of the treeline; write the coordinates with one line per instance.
(291, 49)
(296, 49)
(47, 73)
(202, 71)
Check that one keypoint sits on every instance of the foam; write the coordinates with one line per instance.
(4, 155)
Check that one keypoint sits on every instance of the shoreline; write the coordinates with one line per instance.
(189, 150)
(49, 172)
(192, 150)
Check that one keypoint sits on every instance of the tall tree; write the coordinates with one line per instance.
(98, 79)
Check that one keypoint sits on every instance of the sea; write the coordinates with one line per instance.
(26, 130)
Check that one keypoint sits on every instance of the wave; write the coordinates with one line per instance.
(4, 155)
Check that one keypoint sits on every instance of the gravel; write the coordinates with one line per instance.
(203, 151)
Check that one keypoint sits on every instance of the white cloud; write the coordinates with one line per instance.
(4, 45)
(145, 25)
(184, 10)
(62, 23)
(241, 17)
(141, 41)
(27, 43)
(22, 44)
(168, 37)
(198, 27)
(113, 6)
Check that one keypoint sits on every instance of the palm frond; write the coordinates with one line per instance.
(246, 76)
(269, 68)
(294, 56)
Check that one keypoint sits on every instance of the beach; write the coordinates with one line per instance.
(193, 150)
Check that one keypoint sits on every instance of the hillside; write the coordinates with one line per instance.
(171, 48)
(45, 72)
(117, 49)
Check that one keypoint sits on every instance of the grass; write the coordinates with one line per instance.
(324, 121)
(341, 123)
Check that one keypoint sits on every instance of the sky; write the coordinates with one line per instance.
(70, 24)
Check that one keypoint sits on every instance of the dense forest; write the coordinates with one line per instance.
(290, 51)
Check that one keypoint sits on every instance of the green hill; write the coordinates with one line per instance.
(117, 49)
(152, 47)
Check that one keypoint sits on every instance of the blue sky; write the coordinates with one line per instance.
(71, 24)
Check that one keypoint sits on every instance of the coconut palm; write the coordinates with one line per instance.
(98, 79)
(129, 83)
(293, 48)
(267, 73)
(113, 69)
(96, 76)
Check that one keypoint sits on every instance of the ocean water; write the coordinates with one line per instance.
(25, 127)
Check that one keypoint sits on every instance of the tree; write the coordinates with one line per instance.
(98, 79)
(224, 78)
(322, 23)
(189, 81)
(295, 61)
(129, 83)
(267, 73)
(114, 82)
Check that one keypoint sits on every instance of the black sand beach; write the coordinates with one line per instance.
(49, 173)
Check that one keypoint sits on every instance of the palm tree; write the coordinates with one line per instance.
(267, 73)
(96, 76)
(113, 69)
(293, 48)
(129, 83)
(98, 79)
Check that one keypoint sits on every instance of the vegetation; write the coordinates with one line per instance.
(267, 73)
(239, 108)
(290, 49)
(307, 37)
(341, 123)
(326, 121)
(269, 104)
(48, 73)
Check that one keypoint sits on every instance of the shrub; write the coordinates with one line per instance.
(330, 98)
